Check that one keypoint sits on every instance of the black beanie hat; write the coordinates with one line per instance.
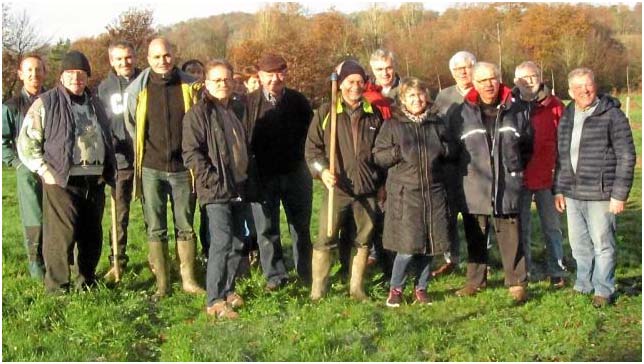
(350, 67)
(75, 60)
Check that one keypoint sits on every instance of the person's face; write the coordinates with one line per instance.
(583, 90)
(160, 57)
(74, 81)
(32, 74)
(196, 71)
(219, 82)
(351, 88)
(528, 80)
(486, 84)
(123, 60)
(273, 81)
(462, 73)
(415, 101)
(383, 70)
(252, 83)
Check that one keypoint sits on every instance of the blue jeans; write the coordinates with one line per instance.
(157, 187)
(591, 231)
(295, 191)
(422, 264)
(227, 233)
(550, 226)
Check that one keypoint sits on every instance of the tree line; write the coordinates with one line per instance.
(558, 37)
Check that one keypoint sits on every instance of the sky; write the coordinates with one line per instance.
(62, 19)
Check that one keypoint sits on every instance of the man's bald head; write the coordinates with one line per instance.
(160, 56)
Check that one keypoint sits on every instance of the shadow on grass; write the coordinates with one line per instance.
(630, 285)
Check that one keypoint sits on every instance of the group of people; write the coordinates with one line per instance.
(399, 171)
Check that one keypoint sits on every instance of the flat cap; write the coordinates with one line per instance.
(271, 62)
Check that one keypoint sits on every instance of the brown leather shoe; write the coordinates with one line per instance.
(518, 293)
(468, 291)
(557, 282)
(444, 269)
(235, 300)
(600, 302)
(222, 310)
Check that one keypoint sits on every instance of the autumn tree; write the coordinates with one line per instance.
(19, 38)
(135, 26)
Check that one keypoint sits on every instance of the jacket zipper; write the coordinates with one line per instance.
(422, 185)
(495, 162)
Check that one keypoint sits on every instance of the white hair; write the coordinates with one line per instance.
(462, 56)
(381, 54)
(582, 71)
(527, 64)
(488, 65)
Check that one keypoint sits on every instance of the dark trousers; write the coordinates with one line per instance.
(123, 196)
(72, 217)
(30, 202)
(227, 233)
(295, 191)
(204, 233)
(249, 231)
(507, 231)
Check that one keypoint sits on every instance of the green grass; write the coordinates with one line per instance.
(122, 324)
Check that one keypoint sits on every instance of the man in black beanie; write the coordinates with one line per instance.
(66, 139)
(356, 179)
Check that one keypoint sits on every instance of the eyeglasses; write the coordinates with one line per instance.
(221, 80)
(462, 69)
(529, 78)
(487, 80)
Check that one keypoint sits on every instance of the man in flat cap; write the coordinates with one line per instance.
(66, 139)
(356, 179)
(277, 121)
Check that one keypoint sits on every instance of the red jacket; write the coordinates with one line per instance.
(544, 118)
(372, 94)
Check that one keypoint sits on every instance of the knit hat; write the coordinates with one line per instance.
(75, 60)
(350, 67)
(271, 63)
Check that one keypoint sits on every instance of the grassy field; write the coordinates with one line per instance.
(122, 324)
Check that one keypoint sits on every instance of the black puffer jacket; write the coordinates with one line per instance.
(606, 154)
(414, 154)
(356, 172)
(492, 175)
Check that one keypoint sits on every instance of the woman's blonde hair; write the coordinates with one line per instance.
(409, 83)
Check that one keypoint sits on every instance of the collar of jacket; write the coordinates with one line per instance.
(112, 75)
(339, 109)
(207, 97)
(372, 87)
(505, 92)
(65, 92)
(27, 96)
(366, 106)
